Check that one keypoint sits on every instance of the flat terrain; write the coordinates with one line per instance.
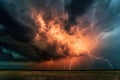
(59, 75)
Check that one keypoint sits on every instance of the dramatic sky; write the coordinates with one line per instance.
(17, 28)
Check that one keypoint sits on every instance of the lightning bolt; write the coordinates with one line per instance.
(106, 60)
(70, 65)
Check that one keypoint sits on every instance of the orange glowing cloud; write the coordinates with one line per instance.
(72, 43)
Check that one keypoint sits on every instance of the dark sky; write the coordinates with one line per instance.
(77, 8)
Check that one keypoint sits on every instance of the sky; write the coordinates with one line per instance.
(17, 27)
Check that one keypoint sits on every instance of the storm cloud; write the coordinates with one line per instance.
(103, 15)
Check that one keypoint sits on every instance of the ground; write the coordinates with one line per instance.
(59, 75)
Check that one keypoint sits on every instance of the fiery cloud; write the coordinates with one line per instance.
(65, 43)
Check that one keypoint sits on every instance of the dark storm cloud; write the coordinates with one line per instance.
(77, 8)
(10, 19)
